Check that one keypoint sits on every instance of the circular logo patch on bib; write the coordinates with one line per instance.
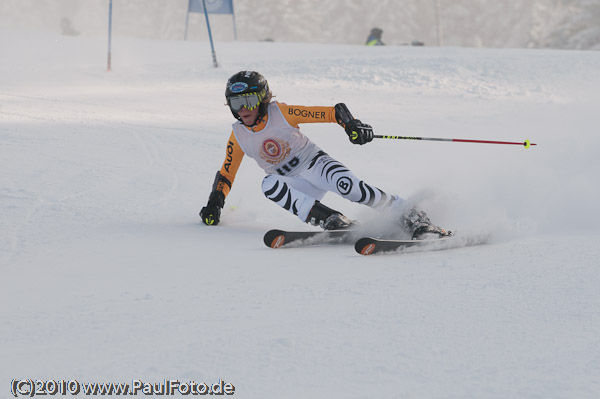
(274, 151)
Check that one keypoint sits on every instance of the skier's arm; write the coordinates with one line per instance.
(233, 159)
(295, 114)
(358, 132)
(211, 213)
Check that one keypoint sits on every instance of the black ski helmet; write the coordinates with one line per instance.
(245, 82)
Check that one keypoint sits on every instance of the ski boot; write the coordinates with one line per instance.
(328, 219)
(418, 224)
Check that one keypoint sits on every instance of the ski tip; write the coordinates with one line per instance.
(274, 238)
(367, 249)
(365, 246)
(278, 241)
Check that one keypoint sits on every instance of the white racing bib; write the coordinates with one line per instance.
(278, 148)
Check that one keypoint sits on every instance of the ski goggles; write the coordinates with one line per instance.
(248, 101)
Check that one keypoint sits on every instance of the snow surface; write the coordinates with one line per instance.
(108, 274)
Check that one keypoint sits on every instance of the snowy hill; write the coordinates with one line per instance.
(566, 24)
(108, 274)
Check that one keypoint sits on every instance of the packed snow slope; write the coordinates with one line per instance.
(108, 274)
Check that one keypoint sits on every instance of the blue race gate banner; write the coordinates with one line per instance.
(212, 6)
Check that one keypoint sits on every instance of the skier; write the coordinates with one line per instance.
(374, 38)
(299, 173)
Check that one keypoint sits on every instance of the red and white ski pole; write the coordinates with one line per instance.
(525, 143)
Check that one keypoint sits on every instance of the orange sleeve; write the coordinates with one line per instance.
(295, 114)
(231, 164)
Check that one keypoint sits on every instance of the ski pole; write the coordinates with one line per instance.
(525, 143)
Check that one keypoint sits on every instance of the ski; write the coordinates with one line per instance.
(369, 245)
(281, 238)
